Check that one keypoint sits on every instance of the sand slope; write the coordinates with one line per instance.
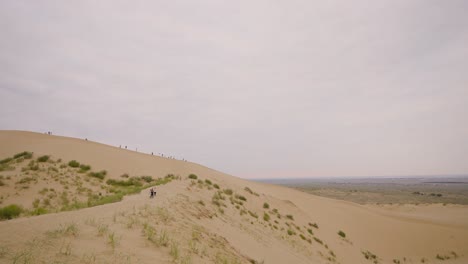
(182, 224)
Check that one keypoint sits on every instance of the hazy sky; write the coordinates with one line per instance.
(251, 88)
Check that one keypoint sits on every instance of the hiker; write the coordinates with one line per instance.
(152, 193)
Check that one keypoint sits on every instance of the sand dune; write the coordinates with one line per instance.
(192, 221)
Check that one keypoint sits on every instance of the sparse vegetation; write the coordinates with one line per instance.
(291, 232)
(69, 229)
(247, 189)
(370, 256)
(174, 252)
(254, 215)
(193, 176)
(290, 217)
(208, 182)
(266, 205)
(112, 240)
(146, 179)
(163, 239)
(133, 181)
(266, 216)
(102, 229)
(216, 186)
(25, 180)
(446, 257)
(228, 191)
(318, 240)
(149, 232)
(39, 211)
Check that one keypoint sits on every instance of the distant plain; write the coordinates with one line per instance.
(396, 190)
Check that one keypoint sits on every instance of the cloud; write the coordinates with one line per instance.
(251, 88)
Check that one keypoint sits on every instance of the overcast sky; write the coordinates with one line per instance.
(252, 88)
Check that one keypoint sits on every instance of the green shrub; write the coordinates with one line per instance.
(247, 189)
(240, 197)
(193, 176)
(25, 154)
(74, 164)
(252, 214)
(147, 179)
(313, 225)
(266, 205)
(290, 217)
(84, 168)
(216, 186)
(208, 182)
(99, 175)
(228, 191)
(318, 240)
(291, 232)
(3, 161)
(11, 211)
(130, 182)
(369, 255)
(43, 158)
(39, 211)
(266, 217)
(342, 234)
(25, 180)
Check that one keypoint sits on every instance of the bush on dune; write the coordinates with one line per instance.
(130, 182)
(43, 158)
(99, 175)
(11, 211)
(341, 234)
(74, 164)
(3, 161)
(84, 168)
(24, 154)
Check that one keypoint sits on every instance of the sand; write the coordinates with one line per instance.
(182, 225)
